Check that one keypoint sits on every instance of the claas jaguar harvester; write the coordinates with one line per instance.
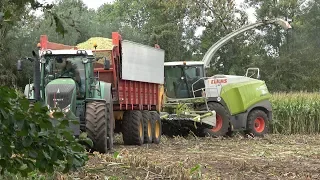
(123, 85)
(239, 102)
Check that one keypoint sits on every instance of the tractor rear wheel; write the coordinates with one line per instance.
(146, 116)
(96, 125)
(257, 123)
(222, 123)
(156, 127)
(132, 128)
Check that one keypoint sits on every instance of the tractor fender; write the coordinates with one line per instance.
(106, 90)
(104, 94)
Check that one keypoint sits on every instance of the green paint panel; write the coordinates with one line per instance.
(240, 96)
(63, 81)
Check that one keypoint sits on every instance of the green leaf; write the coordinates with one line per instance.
(116, 154)
(24, 104)
(83, 135)
(4, 114)
(59, 25)
(3, 162)
(68, 135)
(33, 154)
(58, 115)
(1, 16)
(88, 141)
(64, 123)
(27, 141)
(195, 168)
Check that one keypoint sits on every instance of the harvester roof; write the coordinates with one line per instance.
(181, 63)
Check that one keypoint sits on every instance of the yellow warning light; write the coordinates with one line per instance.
(39, 45)
(95, 45)
(184, 63)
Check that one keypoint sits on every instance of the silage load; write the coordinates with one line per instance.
(103, 43)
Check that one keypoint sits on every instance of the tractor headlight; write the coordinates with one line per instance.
(66, 109)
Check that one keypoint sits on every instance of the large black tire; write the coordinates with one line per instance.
(222, 123)
(96, 125)
(156, 127)
(132, 128)
(147, 126)
(258, 123)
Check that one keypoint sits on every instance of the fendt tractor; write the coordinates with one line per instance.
(240, 102)
(107, 90)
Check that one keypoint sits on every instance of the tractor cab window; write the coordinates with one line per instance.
(179, 80)
(66, 67)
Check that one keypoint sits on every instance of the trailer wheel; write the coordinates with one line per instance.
(257, 123)
(156, 127)
(222, 123)
(147, 126)
(96, 125)
(132, 128)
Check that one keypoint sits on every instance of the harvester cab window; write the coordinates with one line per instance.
(179, 80)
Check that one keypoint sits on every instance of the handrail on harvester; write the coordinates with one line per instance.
(214, 48)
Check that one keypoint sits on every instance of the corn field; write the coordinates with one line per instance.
(296, 113)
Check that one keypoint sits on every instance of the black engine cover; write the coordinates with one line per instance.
(59, 93)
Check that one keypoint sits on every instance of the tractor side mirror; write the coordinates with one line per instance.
(197, 71)
(19, 65)
(106, 64)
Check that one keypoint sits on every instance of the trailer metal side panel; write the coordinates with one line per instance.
(142, 63)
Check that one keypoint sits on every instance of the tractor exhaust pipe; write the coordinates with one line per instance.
(36, 76)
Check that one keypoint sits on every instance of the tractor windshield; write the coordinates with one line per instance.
(179, 80)
(65, 66)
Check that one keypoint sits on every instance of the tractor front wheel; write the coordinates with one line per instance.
(222, 123)
(96, 125)
(257, 123)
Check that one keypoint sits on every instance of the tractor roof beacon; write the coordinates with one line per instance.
(236, 102)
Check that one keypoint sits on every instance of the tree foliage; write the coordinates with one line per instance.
(30, 140)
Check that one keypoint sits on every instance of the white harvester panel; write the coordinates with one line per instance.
(142, 63)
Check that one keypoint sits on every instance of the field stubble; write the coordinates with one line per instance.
(272, 157)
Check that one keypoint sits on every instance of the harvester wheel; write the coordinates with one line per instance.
(257, 123)
(156, 127)
(96, 125)
(132, 128)
(222, 123)
(146, 116)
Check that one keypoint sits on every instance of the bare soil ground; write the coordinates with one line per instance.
(272, 157)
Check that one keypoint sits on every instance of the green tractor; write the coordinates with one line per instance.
(64, 78)
(239, 102)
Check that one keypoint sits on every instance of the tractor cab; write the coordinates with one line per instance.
(58, 65)
(182, 77)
